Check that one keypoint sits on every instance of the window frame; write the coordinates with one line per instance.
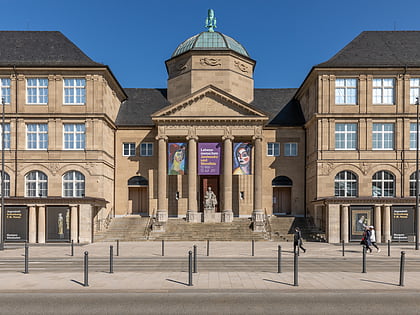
(414, 90)
(131, 149)
(347, 136)
(383, 183)
(40, 143)
(273, 148)
(76, 186)
(6, 136)
(37, 88)
(287, 151)
(74, 133)
(74, 88)
(6, 185)
(347, 88)
(383, 134)
(5, 90)
(40, 183)
(148, 151)
(382, 89)
(345, 184)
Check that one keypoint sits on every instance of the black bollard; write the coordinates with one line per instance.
(389, 248)
(208, 248)
(342, 241)
(26, 258)
(190, 268)
(296, 269)
(402, 265)
(111, 259)
(195, 259)
(279, 260)
(118, 247)
(163, 247)
(253, 247)
(72, 248)
(364, 260)
(86, 262)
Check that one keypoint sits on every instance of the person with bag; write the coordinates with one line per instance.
(366, 239)
(297, 240)
(373, 238)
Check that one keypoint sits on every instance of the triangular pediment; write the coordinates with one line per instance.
(209, 103)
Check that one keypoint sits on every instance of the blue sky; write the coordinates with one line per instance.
(285, 37)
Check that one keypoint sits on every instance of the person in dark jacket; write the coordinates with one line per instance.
(366, 240)
(297, 240)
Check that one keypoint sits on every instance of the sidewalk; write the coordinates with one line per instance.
(16, 281)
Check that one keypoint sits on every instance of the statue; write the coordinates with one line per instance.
(210, 200)
(211, 20)
(60, 225)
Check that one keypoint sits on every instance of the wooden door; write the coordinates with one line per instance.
(139, 200)
(282, 200)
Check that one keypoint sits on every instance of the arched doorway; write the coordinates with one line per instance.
(282, 192)
(138, 202)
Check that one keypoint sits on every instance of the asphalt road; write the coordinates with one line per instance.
(247, 302)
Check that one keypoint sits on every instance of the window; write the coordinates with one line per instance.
(383, 184)
(74, 91)
(413, 183)
(273, 149)
(345, 184)
(383, 91)
(345, 136)
(37, 91)
(129, 149)
(36, 184)
(73, 184)
(5, 90)
(6, 185)
(37, 136)
(413, 136)
(74, 136)
(6, 136)
(146, 149)
(383, 136)
(290, 149)
(414, 90)
(346, 91)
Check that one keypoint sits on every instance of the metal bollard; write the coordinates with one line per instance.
(364, 260)
(389, 248)
(118, 247)
(195, 259)
(253, 247)
(26, 258)
(163, 247)
(208, 248)
(86, 262)
(296, 269)
(402, 266)
(342, 241)
(111, 259)
(279, 260)
(72, 248)
(190, 268)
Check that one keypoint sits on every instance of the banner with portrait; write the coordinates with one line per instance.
(209, 158)
(360, 218)
(242, 158)
(177, 157)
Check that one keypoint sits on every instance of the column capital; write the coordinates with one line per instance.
(195, 138)
(257, 137)
(345, 205)
(378, 205)
(228, 137)
(162, 137)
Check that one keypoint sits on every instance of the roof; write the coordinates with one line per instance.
(279, 104)
(210, 41)
(40, 48)
(379, 49)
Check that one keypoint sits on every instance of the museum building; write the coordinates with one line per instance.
(80, 150)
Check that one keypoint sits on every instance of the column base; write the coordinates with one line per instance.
(193, 216)
(162, 216)
(212, 217)
(258, 221)
(227, 216)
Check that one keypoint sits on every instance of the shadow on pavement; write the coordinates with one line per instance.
(380, 282)
(279, 282)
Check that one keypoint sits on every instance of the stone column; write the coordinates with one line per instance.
(74, 228)
(41, 224)
(32, 224)
(227, 215)
(192, 213)
(345, 223)
(377, 224)
(387, 223)
(162, 211)
(258, 214)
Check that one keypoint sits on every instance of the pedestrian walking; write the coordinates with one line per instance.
(366, 240)
(373, 238)
(298, 240)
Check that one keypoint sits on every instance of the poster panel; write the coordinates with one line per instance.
(360, 217)
(209, 158)
(58, 224)
(177, 158)
(402, 224)
(242, 158)
(16, 224)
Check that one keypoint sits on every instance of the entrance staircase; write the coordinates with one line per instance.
(128, 228)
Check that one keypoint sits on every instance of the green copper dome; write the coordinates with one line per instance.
(210, 41)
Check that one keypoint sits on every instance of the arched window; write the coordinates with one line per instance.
(345, 184)
(413, 184)
(138, 181)
(6, 185)
(282, 181)
(36, 184)
(383, 184)
(73, 184)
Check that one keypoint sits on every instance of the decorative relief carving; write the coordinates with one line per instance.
(241, 66)
(228, 134)
(180, 67)
(326, 168)
(365, 168)
(54, 167)
(210, 62)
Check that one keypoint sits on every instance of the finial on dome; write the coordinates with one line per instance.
(211, 20)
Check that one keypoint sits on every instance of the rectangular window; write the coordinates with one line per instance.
(146, 149)
(346, 91)
(291, 149)
(74, 136)
(37, 136)
(345, 136)
(6, 138)
(273, 149)
(383, 91)
(5, 90)
(129, 149)
(37, 91)
(414, 90)
(413, 136)
(74, 91)
(383, 137)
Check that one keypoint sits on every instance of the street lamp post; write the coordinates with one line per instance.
(2, 213)
(416, 216)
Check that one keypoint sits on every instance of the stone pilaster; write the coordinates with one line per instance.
(162, 211)
(192, 213)
(258, 214)
(32, 224)
(378, 221)
(227, 214)
(74, 231)
(387, 223)
(41, 224)
(345, 222)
